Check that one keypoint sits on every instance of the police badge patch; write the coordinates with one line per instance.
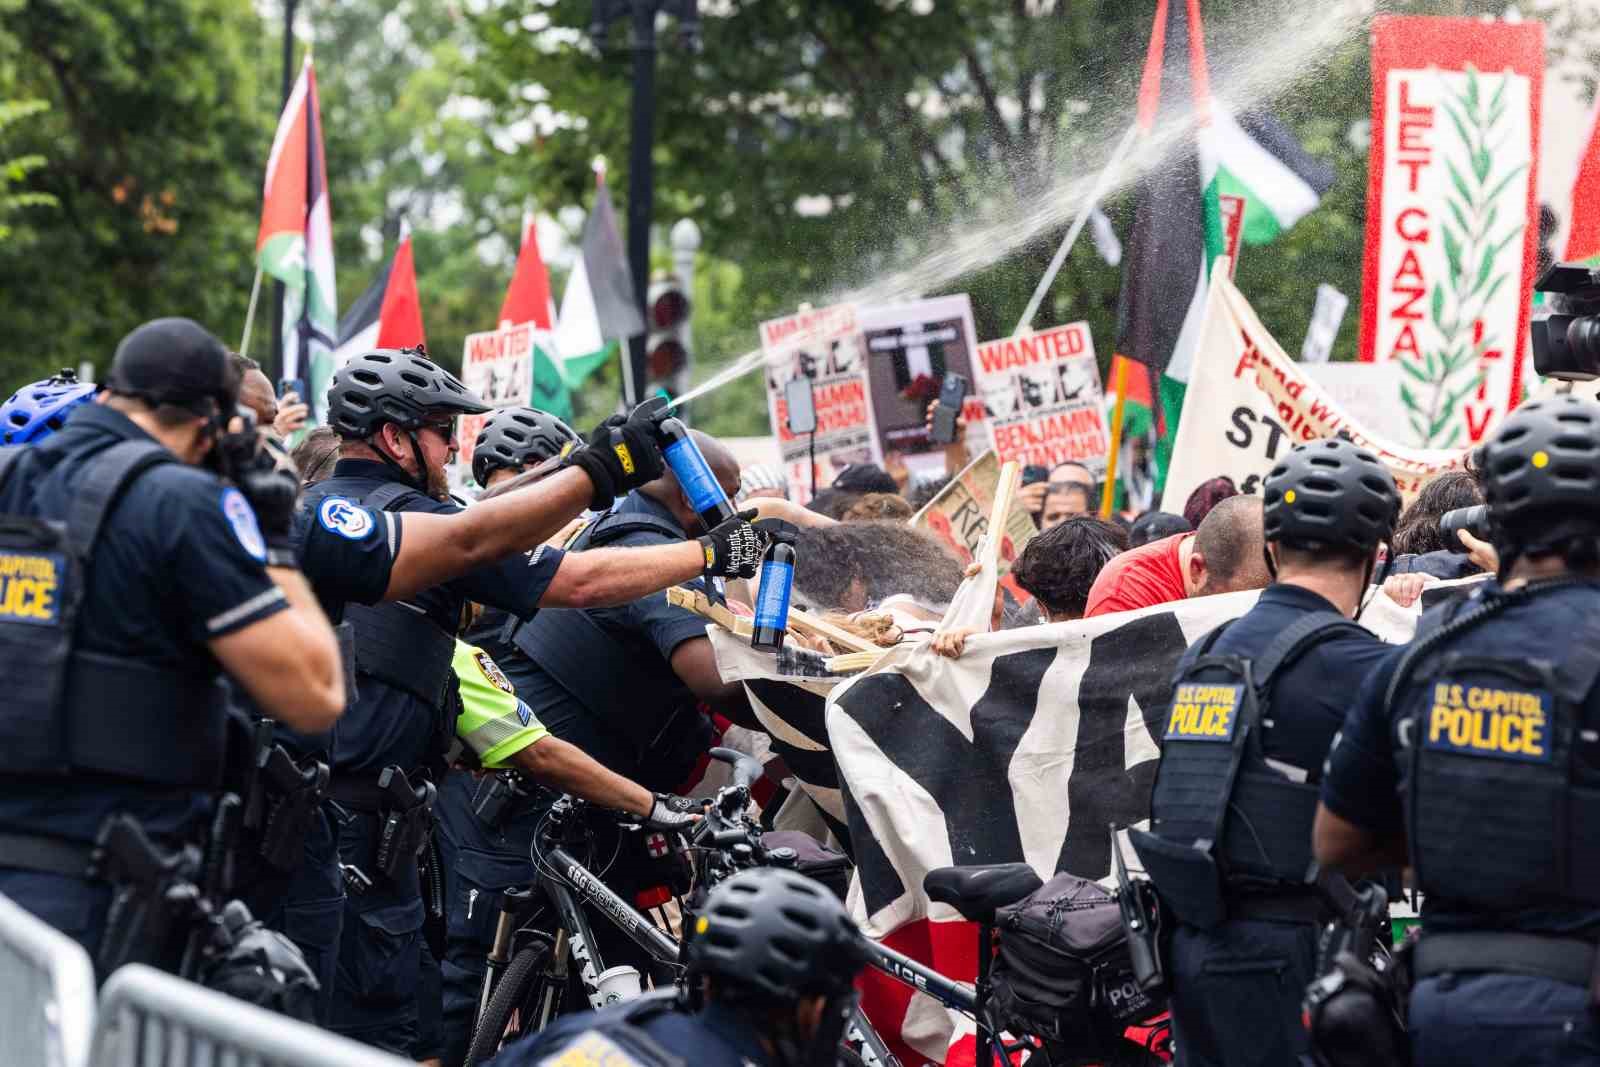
(492, 672)
(344, 517)
(236, 509)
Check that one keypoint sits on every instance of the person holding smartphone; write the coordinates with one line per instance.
(286, 413)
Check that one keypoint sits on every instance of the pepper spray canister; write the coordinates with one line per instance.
(777, 581)
(694, 475)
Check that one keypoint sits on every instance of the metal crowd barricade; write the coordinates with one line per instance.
(46, 992)
(151, 1019)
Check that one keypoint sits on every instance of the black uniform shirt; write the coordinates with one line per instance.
(649, 630)
(387, 725)
(179, 563)
(1307, 701)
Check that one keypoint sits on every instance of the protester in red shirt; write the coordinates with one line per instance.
(1224, 555)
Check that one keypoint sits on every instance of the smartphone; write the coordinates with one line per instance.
(951, 396)
(1034, 473)
(296, 386)
(801, 406)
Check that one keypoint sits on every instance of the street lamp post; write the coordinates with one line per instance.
(641, 168)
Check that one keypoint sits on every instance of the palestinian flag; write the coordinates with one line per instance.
(599, 310)
(528, 300)
(295, 242)
(388, 314)
(1179, 224)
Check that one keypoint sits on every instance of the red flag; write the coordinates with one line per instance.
(1583, 240)
(528, 297)
(400, 319)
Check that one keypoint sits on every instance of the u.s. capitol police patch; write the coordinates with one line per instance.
(344, 517)
(236, 509)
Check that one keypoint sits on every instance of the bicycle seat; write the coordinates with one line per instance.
(978, 892)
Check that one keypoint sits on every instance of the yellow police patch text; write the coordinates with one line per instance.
(30, 584)
(1475, 720)
(1202, 712)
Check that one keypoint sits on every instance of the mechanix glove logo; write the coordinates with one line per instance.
(624, 457)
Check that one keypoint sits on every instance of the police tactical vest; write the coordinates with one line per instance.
(67, 709)
(1219, 813)
(396, 643)
(1502, 799)
(591, 665)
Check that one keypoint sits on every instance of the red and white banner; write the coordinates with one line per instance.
(1042, 391)
(825, 345)
(1452, 219)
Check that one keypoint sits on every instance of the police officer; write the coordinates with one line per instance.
(395, 411)
(1255, 706)
(625, 684)
(1473, 753)
(132, 577)
(772, 958)
(38, 410)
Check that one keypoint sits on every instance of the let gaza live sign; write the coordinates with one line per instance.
(1452, 222)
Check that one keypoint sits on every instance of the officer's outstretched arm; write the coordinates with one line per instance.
(555, 763)
(289, 661)
(1340, 845)
(695, 664)
(438, 548)
(601, 577)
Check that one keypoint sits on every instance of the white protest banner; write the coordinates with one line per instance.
(1452, 219)
(1042, 391)
(826, 346)
(498, 366)
(1248, 404)
(910, 348)
(1369, 394)
(1324, 325)
(1023, 749)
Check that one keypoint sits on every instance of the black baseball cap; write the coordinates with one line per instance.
(175, 361)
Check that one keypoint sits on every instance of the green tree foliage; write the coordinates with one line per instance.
(13, 171)
(154, 137)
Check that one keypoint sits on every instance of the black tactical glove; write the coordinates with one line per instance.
(620, 454)
(673, 814)
(273, 493)
(734, 549)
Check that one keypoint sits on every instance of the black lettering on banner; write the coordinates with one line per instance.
(1135, 660)
(1275, 438)
(968, 780)
(805, 713)
(1242, 417)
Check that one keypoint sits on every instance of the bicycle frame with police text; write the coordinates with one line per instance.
(578, 886)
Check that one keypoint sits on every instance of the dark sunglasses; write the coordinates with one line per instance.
(445, 428)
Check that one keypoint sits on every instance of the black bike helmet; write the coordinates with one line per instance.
(1541, 474)
(1330, 492)
(513, 437)
(402, 386)
(776, 933)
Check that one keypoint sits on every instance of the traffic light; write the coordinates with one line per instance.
(666, 350)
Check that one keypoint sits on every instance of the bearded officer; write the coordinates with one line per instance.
(1255, 706)
(1473, 756)
(395, 411)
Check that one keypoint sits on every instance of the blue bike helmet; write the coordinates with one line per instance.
(36, 411)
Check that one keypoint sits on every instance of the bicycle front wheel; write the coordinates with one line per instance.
(514, 996)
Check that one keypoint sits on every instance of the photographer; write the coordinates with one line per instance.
(115, 661)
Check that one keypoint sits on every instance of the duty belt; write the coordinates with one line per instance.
(1564, 959)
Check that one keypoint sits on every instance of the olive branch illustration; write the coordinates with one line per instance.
(1448, 373)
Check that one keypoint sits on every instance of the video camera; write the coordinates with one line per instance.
(1566, 343)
